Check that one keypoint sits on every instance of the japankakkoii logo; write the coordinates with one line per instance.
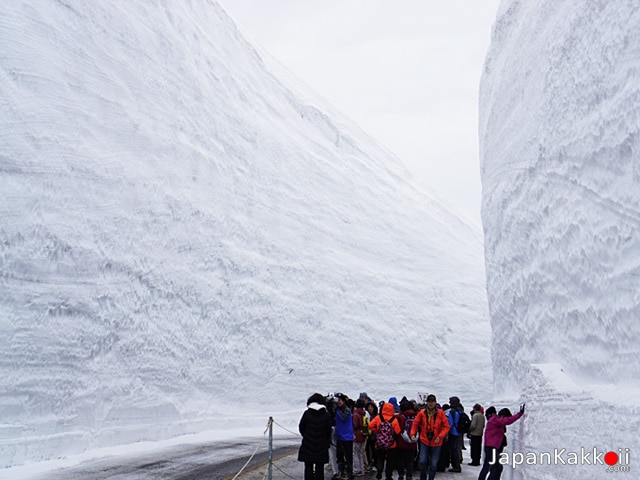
(614, 461)
(618, 462)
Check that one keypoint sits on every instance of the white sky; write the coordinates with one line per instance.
(407, 72)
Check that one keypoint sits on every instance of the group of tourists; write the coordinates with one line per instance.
(361, 437)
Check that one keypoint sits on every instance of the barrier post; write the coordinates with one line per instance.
(270, 447)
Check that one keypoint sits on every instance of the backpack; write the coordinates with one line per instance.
(406, 433)
(464, 422)
(365, 426)
(385, 435)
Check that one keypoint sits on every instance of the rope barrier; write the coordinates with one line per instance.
(269, 424)
(254, 452)
(286, 429)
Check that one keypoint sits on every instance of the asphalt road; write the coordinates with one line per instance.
(219, 461)
(212, 461)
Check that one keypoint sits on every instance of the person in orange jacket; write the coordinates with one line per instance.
(386, 459)
(433, 426)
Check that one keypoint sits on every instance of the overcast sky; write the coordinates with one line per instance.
(406, 71)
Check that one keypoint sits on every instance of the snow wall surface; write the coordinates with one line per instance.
(188, 240)
(560, 167)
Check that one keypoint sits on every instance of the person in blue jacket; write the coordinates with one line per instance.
(345, 437)
(455, 438)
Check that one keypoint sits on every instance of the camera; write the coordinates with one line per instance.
(332, 404)
(430, 435)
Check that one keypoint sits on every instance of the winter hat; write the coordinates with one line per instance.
(454, 402)
(431, 397)
(316, 398)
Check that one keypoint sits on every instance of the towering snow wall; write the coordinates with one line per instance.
(186, 237)
(560, 164)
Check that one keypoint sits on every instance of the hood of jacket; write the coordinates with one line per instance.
(388, 411)
(316, 406)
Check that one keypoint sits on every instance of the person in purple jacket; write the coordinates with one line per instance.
(495, 440)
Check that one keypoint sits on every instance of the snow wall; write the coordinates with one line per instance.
(560, 165)
(190, 240)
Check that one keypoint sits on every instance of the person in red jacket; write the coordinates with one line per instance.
(386, 459)
(433, 426)
(359, 439)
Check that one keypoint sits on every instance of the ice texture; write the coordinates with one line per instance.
(189, 236)
(560, 168)
(560, 109)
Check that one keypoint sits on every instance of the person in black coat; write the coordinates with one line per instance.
(315, 428)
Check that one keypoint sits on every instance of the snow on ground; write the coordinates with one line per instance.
(190, 242)
(561, 213)
(185, 232)
(209, 447)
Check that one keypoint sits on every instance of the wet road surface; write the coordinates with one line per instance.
(216, 461)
